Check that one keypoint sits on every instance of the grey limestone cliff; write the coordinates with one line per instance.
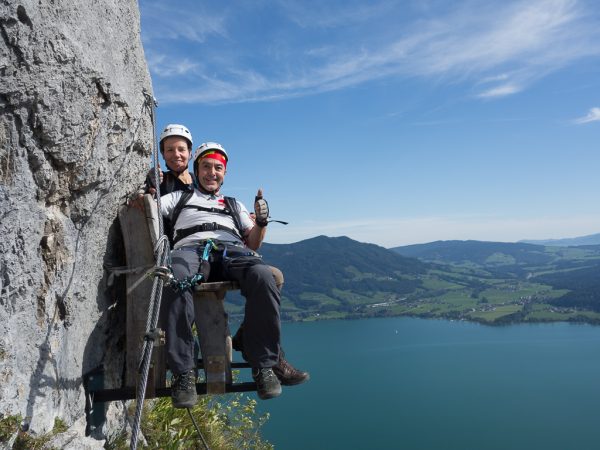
(75, 138)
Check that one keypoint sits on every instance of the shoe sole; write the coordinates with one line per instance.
(181, 405)
(184, 405)
(269, 395)
(295, 382)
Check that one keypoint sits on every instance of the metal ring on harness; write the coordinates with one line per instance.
(163, 272)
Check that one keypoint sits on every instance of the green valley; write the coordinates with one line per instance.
(487, 282)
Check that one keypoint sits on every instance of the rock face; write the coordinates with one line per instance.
(75, 138)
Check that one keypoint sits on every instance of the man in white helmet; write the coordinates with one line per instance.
(208, 215)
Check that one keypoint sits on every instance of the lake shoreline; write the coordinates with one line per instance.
(505, 321)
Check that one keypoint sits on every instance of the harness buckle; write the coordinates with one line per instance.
(163, 272)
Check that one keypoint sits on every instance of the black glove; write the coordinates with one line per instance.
(261, 210)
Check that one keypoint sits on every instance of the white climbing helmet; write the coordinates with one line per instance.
(209, 147)
(174, 129)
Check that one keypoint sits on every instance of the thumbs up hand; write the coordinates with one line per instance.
(261, 209)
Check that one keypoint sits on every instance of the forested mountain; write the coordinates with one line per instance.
(491, 282)
(334, 270)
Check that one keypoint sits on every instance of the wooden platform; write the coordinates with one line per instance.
(139, 226)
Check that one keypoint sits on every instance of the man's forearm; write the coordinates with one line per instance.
(255, 237)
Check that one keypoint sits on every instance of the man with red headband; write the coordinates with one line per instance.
(209, 216)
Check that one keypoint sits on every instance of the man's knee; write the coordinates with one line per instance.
(261, 274)
(278, 276)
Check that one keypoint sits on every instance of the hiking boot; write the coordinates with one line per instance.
(183, 390)
(287, 374)
(267, 384)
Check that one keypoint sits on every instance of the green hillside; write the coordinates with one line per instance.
(338, 275)
(574, 272)
(489, 282)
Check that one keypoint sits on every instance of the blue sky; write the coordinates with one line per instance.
(392, 122)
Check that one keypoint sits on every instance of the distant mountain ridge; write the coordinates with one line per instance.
(590, 239)
(478, 252)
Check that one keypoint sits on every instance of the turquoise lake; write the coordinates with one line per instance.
(403, 383)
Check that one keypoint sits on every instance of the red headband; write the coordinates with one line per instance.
(214, 155)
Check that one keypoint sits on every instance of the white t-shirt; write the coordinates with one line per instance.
(190, 217)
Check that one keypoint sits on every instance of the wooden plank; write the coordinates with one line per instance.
(214, 337)
(139, 226)
(152, 217)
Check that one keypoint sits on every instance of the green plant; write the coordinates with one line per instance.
(10, 425)
(226, 422)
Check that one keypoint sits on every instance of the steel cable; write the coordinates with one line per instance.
(161, 253)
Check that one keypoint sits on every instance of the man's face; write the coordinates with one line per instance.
(211, 174)
(176, 153)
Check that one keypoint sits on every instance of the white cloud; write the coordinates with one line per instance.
(592, 116)
(500, 91)
(524, 40)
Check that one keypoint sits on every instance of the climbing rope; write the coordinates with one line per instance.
(161, 254)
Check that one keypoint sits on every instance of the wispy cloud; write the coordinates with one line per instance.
(501, 91)
(165, 67)
(179, 21)
(500, 49)
(592, 116)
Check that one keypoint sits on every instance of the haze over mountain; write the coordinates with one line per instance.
(591, 239)
(478, 252)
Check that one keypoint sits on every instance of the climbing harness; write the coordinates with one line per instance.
(231, 209)
(168, 277)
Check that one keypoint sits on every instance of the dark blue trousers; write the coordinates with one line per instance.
(262, 327)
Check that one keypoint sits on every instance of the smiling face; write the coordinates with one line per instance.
(210, 173)
(176, 152)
